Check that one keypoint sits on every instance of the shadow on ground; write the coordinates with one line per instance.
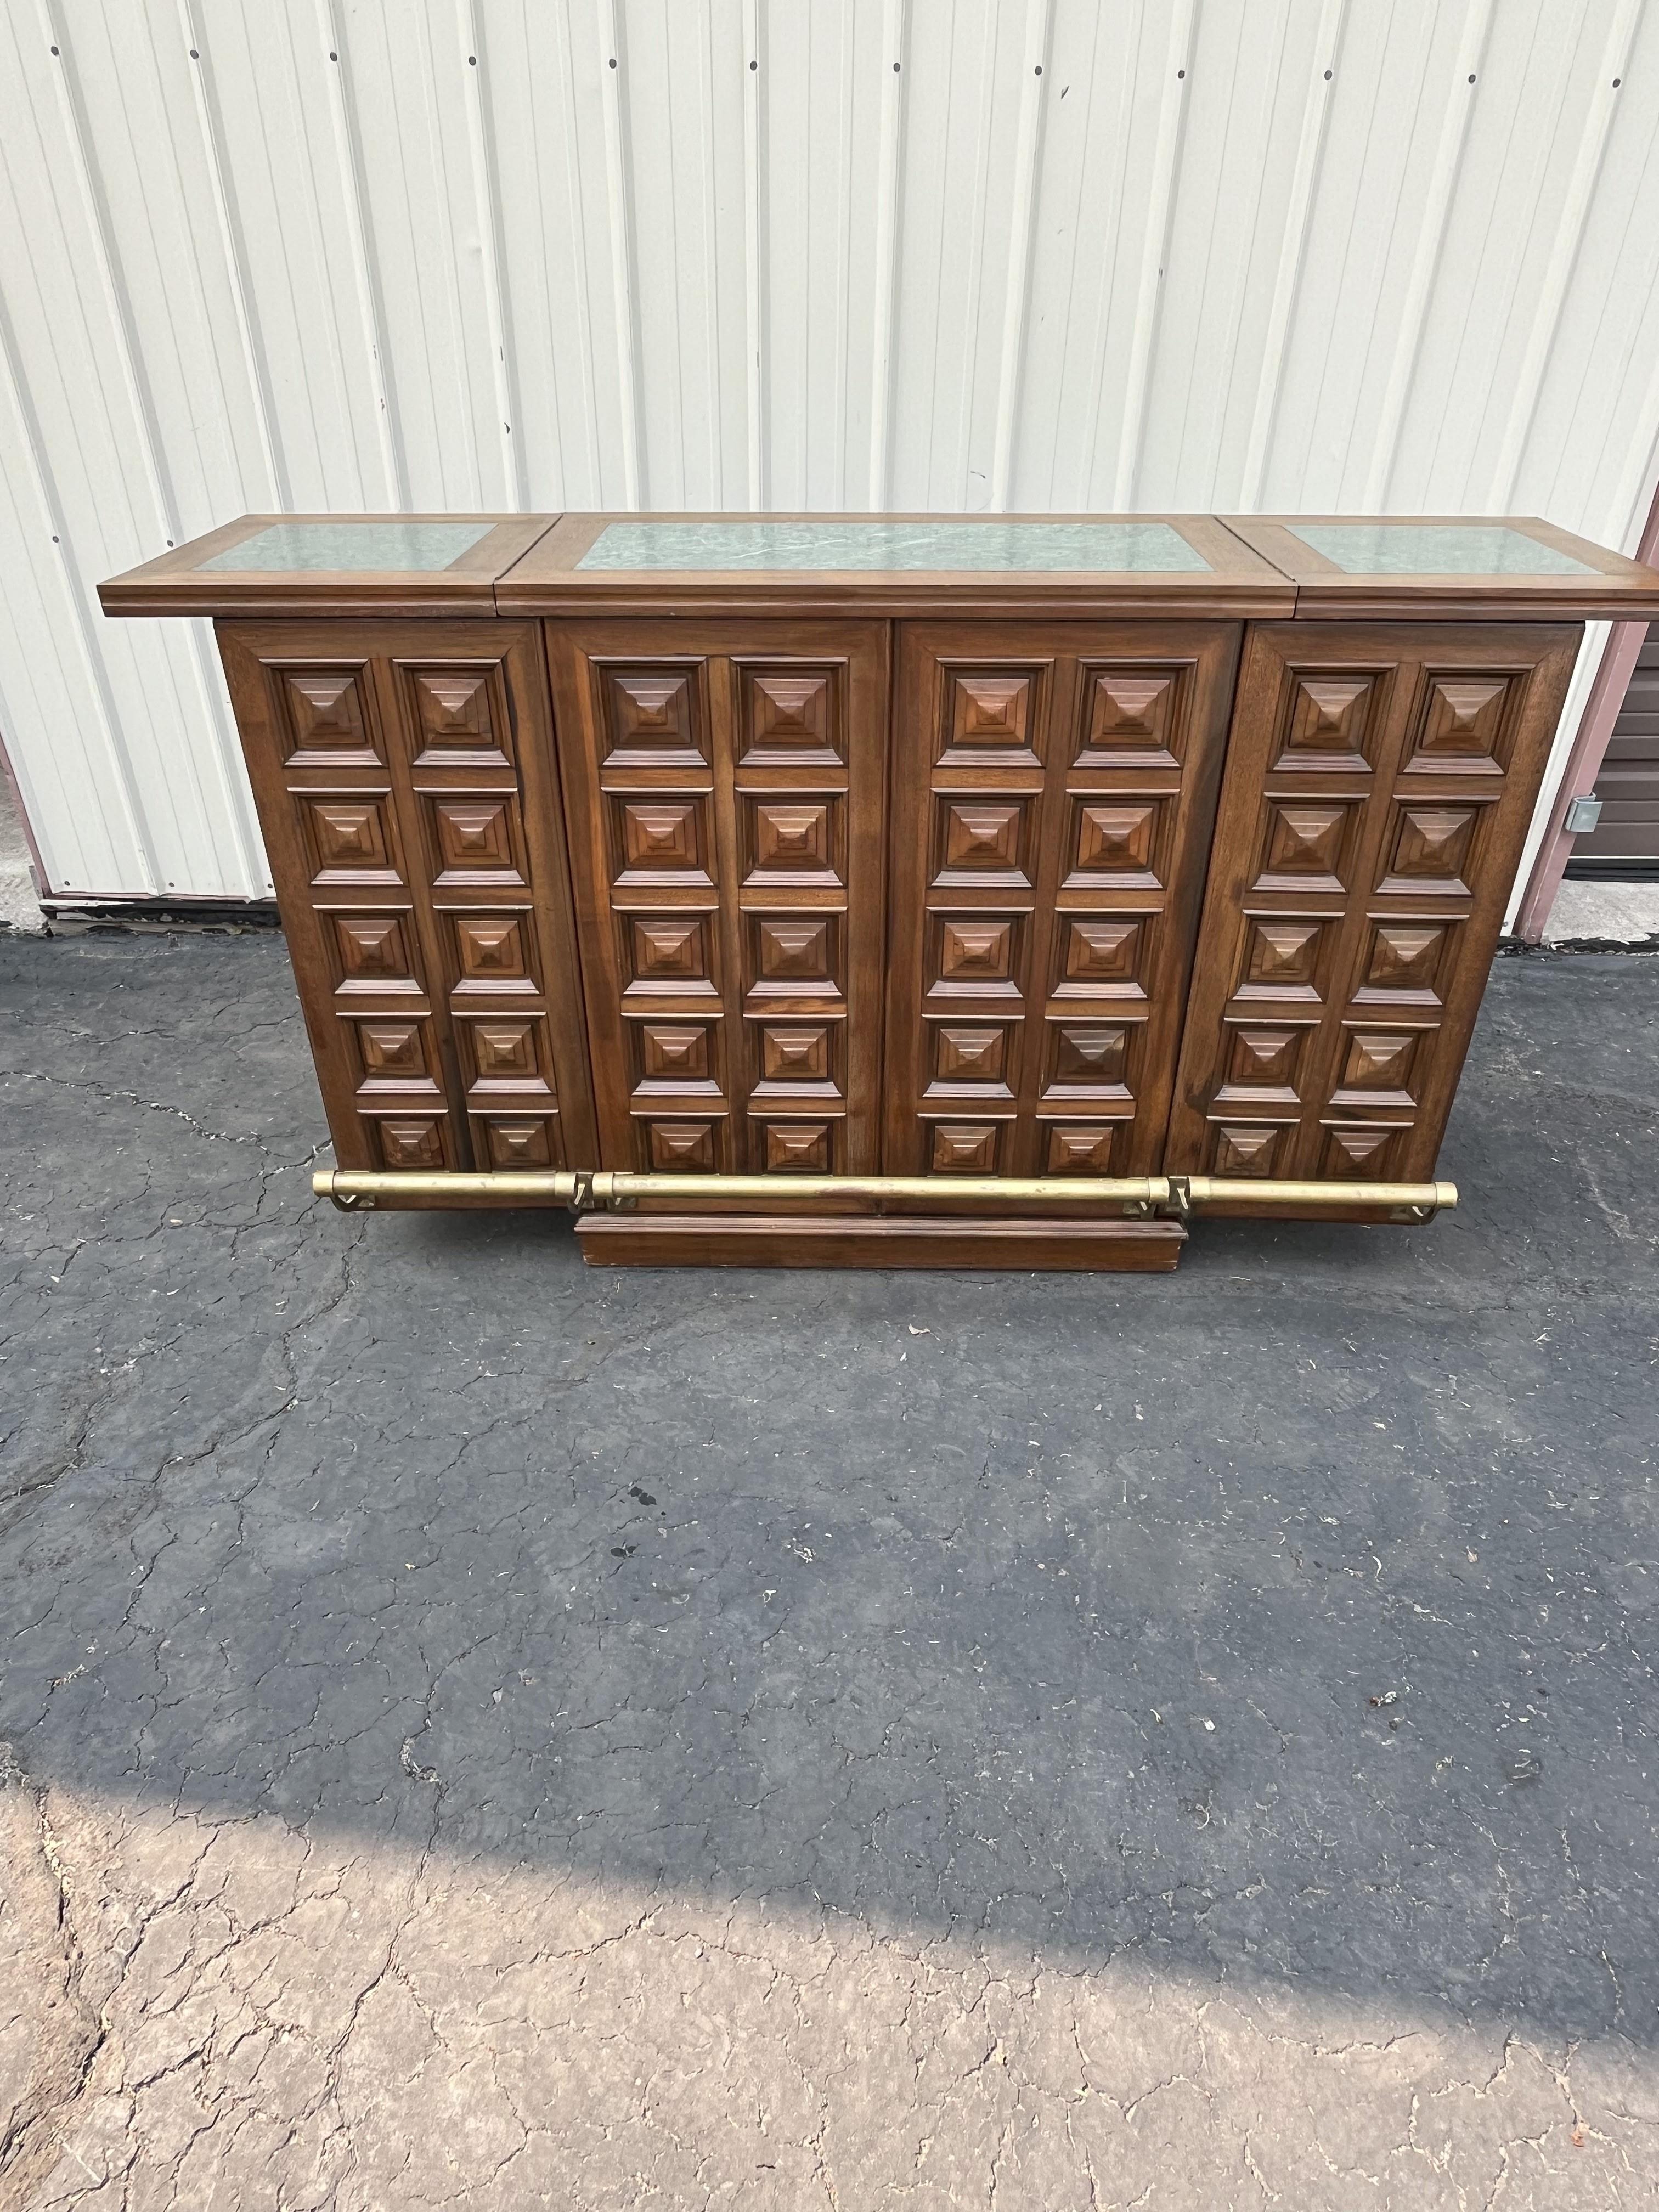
(1291, 1619)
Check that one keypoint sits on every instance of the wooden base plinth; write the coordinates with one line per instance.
(748, 1240)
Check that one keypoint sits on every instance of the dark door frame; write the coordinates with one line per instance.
(1590, 745)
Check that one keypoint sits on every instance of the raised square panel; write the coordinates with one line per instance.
(1330, 722)
(651, 718)
(1361, 1155)
(374, 953)
(660, 841)
(1081, 1151)
(1304, 846)
(795, 1055)
(679, 1147)
(522, 1142)
(1114, 842)
(393, 1052)
(492, 952)
(408, 1142)
(965, 1147)
(793, 956)
(1261, 1066)
(349, 842)
(1378, 1068)
(974, 956)
(1236, 1150)
(1430, 850)
(1461, 731)
(506, 1053)
(674, 1053)
(669, 952)
(326, 724)
(793, 840)
(1403, 961)
(1094, 1055)
(790, 714)
(1284, 957)
(980, 840)
(457, 718)
(1130, 718)
(797, 1147)
(476, 840)
(990, 717)
(970, 1055)
(1100, 956)
(660, 833)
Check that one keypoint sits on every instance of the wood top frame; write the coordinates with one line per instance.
(1324, 590)
(176, 583)
(1258, 570)
(1238, 580)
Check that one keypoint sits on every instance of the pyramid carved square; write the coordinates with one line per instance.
(327, 724)
(1085, 1150)
(1305, 846)
(1130, 718)
(791, 714)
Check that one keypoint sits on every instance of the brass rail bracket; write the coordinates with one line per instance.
(1411, 1204)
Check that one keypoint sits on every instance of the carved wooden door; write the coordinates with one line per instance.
(725, 787)
(404, 778)
(1054, 787)
(1379, 782)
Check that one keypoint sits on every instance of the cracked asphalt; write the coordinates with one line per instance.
(480, 1732)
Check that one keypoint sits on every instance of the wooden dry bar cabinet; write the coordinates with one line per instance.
(892, 892)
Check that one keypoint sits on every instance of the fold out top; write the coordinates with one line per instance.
(1437, 567)
(317, 564)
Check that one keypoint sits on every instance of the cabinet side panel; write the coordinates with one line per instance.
(1379, 780)
(266, 749)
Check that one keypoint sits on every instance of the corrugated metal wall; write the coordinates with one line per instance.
(951, 254)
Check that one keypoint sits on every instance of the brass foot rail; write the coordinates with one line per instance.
(1137, 1197)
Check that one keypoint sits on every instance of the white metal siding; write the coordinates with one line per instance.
(948, 254)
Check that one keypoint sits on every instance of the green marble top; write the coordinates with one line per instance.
(1098, 548)
(384, 543)
(1435, 548)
